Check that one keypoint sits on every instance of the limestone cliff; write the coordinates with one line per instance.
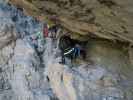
(30, 73)
(84, 19)
(109, 19)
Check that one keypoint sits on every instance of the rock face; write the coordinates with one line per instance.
(131, 55)
(108, 78)
(106, 53)
(30, 70)
(26, 82)
(84, 83)
(21, 76)
(109, 19)
(7, 31)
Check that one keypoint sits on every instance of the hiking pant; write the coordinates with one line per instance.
(62, 57)
(76, 52)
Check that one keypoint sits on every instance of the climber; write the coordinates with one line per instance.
(53, 30)
(68, 48)
(45, 30)
(50, 31)
(20, 9)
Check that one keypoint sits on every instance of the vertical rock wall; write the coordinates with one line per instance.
(22, 76)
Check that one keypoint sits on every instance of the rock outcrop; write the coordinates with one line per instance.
(21, 73)
(109, 77)
(7, 32)
(26, 82)
(84, 19)
(84, 83)
(28, 74)
(109, 19)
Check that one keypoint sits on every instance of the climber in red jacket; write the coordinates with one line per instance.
(50, 32)
(45, 30)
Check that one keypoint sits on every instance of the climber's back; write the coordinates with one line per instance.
(65, 43)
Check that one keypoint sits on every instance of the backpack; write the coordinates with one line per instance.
(66, 43)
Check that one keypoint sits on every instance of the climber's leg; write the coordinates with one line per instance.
(62, 58)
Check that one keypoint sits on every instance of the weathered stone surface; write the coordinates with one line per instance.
(7, 34)
(110, 19)
(84, 83)
(21, 74)
(104, 79)
(131, 54)
(113, 56)
(25, 80)
(109, 77)
(6, 54)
